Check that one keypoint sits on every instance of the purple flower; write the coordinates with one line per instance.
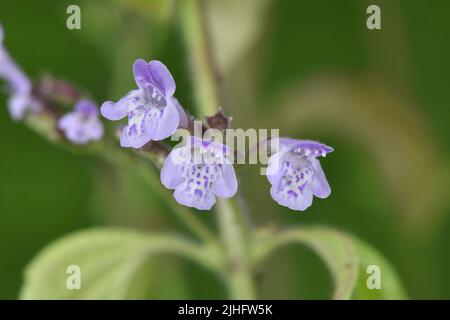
(82, 124)
(19, 86)
(199, 172)
(296, 175)
(153, 113)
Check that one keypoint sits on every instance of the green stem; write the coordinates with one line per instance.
(200, 55)
(236, 245)
(233, 232)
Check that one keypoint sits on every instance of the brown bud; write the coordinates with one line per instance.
(219, 120)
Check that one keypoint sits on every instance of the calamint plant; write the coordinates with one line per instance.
(199, 175)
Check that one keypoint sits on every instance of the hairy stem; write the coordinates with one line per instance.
(236, 243)
(233, 232)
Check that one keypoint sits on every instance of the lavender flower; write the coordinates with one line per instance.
(296, 175)
(82, 124)
(153, 113)
(199, 172)
(19, 86)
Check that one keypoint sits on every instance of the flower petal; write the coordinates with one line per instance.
(309, 147)
(74, 131)
(86, 107)
(166, 124)
(133, 137)
(77, 137)
(274, 168)
(294, 201)
(226, 185)
(82, 125)
(17, 106)
(184, 119)
(140, 71)
(154, 73)
(161, 77)
(171, 175)
(67, 121)
(95, 130)
(319, 185)
(118, 110)
(199, 198)
(16, 78)
(124, 138)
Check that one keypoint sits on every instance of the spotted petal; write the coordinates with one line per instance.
(192, 196)
(291, 199)
(133, 137)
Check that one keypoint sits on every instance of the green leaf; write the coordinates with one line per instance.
(346, 257)
(114, 264)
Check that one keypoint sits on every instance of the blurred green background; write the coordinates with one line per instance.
(310, 68)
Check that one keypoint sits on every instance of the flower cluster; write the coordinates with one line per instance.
(199, 171)
(79, 126)
(154, 114)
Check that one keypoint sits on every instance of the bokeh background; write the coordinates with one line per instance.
(310, 68)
